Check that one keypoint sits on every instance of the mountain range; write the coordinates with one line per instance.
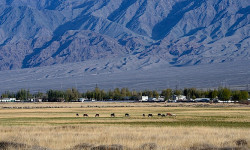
(180, 32)
(123, 35)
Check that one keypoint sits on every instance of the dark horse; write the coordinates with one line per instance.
(126, 115)
(112, 115)
(150, 115)
(85, 115)
(77, 114)
(97, 115)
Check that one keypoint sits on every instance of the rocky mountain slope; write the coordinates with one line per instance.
(137, 33)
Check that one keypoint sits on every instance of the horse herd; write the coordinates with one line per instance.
(127, 115)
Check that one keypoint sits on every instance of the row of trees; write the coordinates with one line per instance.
(125, 94)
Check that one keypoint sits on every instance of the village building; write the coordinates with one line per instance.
(179, 97)
(8, 100)
(144, 98)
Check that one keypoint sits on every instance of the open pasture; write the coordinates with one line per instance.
(63, 114)
(60, 128)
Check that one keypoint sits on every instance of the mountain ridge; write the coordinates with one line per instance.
(178, 32)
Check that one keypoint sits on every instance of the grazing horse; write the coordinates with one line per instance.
(143, 115)
(97, 115)
(172, 115)
(126, 115)
(150, 115)
(163, 115)
(77, 114)
(169, 114)
(85, 115)
(112, 115)
(159, 114)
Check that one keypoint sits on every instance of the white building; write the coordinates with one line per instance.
(180, 97)
(144, 98)
(36, 100)
(161, 98)
(8, 100)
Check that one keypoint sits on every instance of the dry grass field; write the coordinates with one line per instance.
(55, 126)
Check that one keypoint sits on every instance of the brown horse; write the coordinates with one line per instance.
(171, 115)
(85, 115)
(97, 115)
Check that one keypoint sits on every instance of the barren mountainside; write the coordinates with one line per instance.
(127, 33)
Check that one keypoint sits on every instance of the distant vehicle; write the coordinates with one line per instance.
(83, 100)
(204, 100)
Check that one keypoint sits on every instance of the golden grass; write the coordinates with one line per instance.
(117, 104)
(59, 128)
(66, 137)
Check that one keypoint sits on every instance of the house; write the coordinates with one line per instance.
(8, 100)
(152, 99)
(161, 98)
(36, 100)
(144, 98)
(179, 97)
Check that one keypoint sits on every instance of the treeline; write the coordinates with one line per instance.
(73, 94)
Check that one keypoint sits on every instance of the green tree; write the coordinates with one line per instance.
(39, 95)
(97, 93)
(134, 95)
(139, 95)
(236, 95)
(56, 95)
(71, 95)
(110, 94)
(224, 94)
(117, 94)
(155, 94)
(8, 94)
(243, 95)
(167, 94)
(123, 93)
(177, 92)
(23, 94)
(213, 94)
(89, 95)
(191, 93)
